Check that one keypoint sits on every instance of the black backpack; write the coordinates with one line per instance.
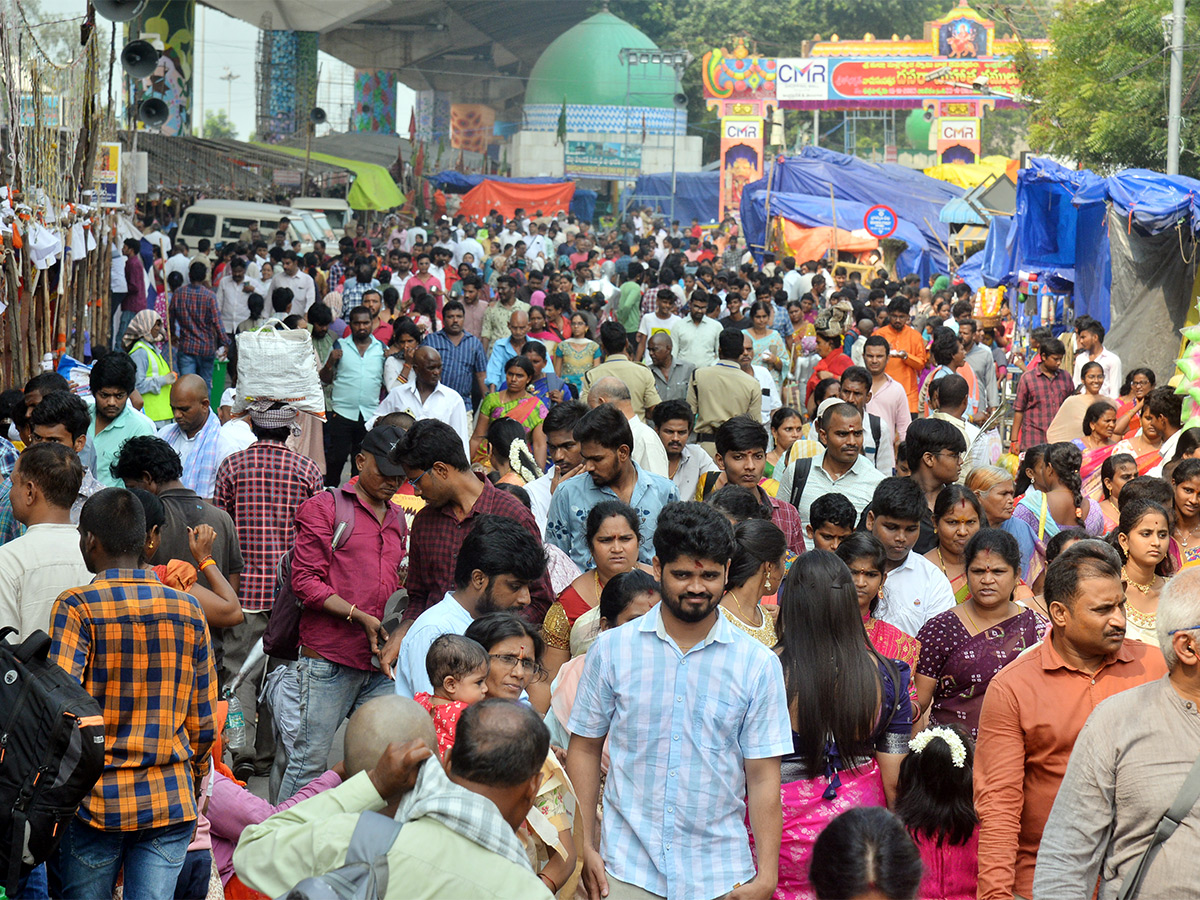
(51, 753)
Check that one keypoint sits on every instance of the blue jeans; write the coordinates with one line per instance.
(196, 365)
(89, 859)
(329, 692)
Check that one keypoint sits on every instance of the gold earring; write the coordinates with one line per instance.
(767, 584)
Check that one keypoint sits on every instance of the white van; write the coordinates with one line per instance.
(225, 220)
(338, 212)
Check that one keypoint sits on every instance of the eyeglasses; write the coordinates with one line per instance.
(1189, 628)
(536, 669)
(412, 482)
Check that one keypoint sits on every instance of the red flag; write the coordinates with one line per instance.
(412, 126)
(643, 128)
(419, 161)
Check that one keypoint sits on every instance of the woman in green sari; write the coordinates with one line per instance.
(957, 514)
(513, 402)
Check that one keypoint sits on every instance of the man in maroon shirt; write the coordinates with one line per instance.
(343, 592)
(135, 280)
(436, 465)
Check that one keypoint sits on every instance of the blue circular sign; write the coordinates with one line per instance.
(880, 221)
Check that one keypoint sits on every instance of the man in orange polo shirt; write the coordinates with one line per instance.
(1035, 707)
(908, 353)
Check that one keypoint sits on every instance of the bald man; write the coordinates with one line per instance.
(425, 397)
(459, 830)
(518, 329)
(648, 450)
(196, 435)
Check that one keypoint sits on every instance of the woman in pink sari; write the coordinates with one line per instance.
(853, 734)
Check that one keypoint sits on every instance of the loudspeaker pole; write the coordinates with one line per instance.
(1174, 96)
(308, 135)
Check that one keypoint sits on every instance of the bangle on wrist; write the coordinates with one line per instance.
(350, 615)
(206, 562)
(549, 882)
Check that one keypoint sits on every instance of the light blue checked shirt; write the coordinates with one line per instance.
(680, 727)
(566, 523)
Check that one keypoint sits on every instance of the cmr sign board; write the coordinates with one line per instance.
(742, 129)
(802, 79)
(958, 129)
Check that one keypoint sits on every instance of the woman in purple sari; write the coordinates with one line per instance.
(963, 648)
(851, 716)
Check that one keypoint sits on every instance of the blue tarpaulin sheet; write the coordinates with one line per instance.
(583, 203)
(912, 195)
(817, 211)
(697, 195)
(989, 267)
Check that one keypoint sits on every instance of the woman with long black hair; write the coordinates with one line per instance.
(851, 716)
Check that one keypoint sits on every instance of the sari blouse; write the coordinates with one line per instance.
(556, 627)
(893, 643)
(962, 665)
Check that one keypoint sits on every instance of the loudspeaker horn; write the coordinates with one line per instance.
(139, 59)
(120, 10)
(928, 115)
(680, 100)
(317, 116)
(154, 112)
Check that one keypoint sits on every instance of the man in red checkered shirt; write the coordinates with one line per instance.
(261, 488)
(196, 318)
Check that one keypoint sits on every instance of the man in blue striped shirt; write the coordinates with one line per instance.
(695, 711)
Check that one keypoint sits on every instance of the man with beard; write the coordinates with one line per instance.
(1035, 708)
(496, 564)
(609, 473)
(686, 463)
(722, 713)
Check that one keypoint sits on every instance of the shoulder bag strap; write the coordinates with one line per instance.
(800, 479)
(373, 837)
(1184, 801)
(343, 517)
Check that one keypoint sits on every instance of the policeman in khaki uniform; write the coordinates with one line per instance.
(720, 392)
(642, 393)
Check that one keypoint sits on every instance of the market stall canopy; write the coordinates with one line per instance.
(697, 195)
(959, 212)
(914, 197)
(508, 198)
(373, 186)
(807, 242)
(968, 175)
(583, 202)
(809, 210)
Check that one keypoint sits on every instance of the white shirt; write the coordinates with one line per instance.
(1110, 363)
(34, 569)
(304, 292)
(648, 449)
(472, 246)
(696, 343)
(452, 248)
(411, 235)
(177, 263)
(1168, 452)
(239, 433)
(445, 617)
(883, 456)
(204, 481)
(792, 284)
(857, 485)
(914, 593)
(443, 404)
(231, 298)
(770, 392)
(540, 495)
(651, 325)
(693, 463)
(399, 281)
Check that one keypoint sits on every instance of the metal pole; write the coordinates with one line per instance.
(816, 128)
(674, 143)
(1174, 101)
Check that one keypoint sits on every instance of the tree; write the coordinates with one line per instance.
(217, 125)
(1101, 98)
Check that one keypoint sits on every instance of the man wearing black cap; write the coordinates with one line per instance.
(349, 545)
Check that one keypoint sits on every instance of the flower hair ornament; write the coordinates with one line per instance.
(958, 750)
(518, 453)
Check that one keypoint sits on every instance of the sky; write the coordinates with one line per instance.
(225, 45)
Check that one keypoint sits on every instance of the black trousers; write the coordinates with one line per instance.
(345, 440)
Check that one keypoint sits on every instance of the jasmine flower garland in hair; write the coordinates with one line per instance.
(958, 751)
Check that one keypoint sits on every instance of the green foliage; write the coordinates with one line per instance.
(1103, 93)
(217, 125)
(1004, 130)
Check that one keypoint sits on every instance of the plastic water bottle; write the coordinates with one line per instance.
(235, 724)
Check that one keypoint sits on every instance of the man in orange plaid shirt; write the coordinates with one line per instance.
(142, 651)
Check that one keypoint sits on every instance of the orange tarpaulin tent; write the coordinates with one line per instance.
(812, 243)
(508, 198)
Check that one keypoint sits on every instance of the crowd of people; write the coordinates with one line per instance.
(631, 564)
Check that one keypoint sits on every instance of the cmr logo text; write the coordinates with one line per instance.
(742, 129)
(802, 79)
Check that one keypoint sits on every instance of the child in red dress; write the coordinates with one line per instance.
(458, 670)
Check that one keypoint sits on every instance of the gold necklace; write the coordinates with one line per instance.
(599, 588)
(742, 612)
(1144, 588)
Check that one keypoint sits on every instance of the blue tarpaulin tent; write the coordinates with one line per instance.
(912, 195)
(697, 195)
(818, 211)
(583, 204)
